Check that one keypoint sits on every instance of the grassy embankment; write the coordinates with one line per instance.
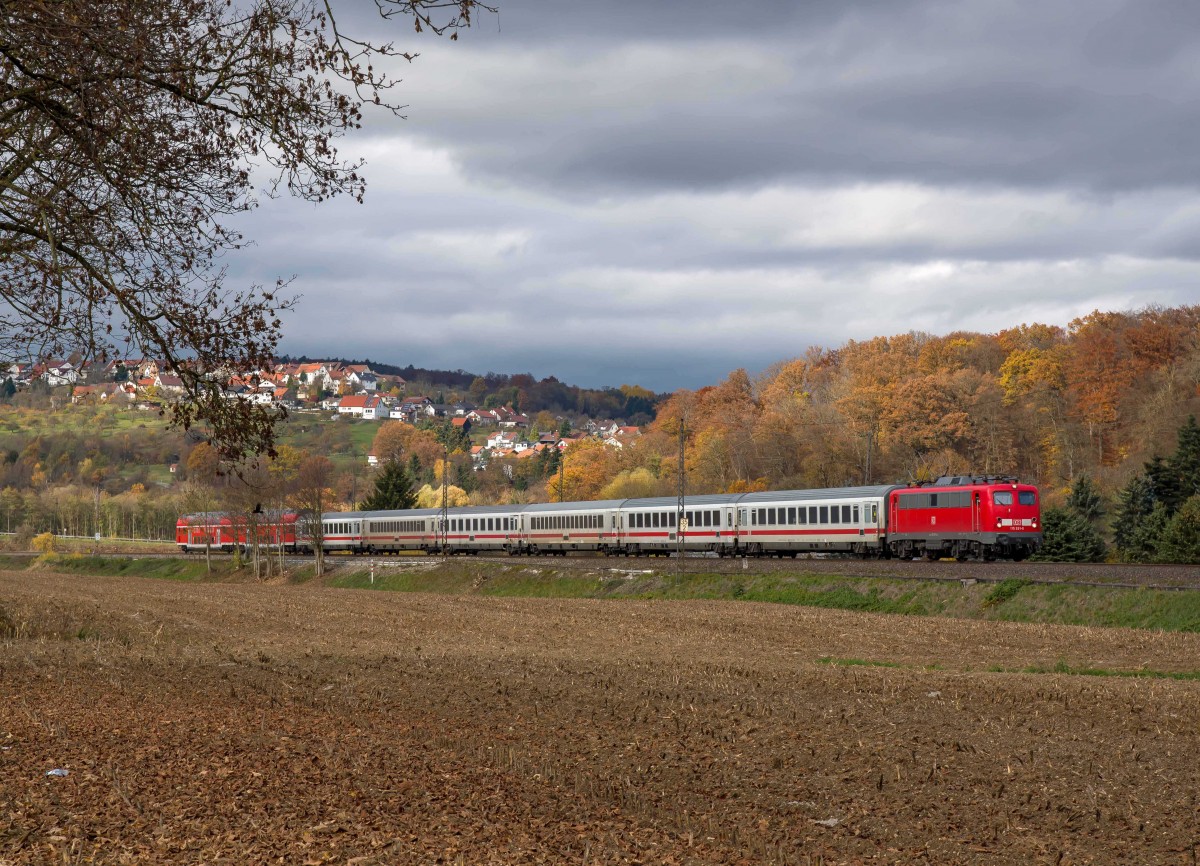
(1011, 600)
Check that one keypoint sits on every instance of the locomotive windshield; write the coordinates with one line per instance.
(1002, 497)
(1027, 497)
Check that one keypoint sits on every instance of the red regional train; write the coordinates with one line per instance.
(226, 531)
(964, 517)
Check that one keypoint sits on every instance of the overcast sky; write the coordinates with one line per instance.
(654, 192)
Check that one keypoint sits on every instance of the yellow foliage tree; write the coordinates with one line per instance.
(588, 466)
(431, 497)
(632, 484)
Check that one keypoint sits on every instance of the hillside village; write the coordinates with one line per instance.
(353, 391)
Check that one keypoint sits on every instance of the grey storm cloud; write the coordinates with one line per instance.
(662, 192)
(1095, 95)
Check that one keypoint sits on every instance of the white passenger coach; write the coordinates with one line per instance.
(777, 523)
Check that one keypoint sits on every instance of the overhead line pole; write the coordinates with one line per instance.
(681, 525)
(444, 517)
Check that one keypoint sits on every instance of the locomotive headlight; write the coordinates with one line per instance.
(999, 523)
(1035, 523)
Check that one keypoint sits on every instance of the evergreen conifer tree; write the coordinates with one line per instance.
(1086, 499)
(1068, 537)
(1185, 462)
(1135, 503)
(1180, 541)
(1164, 483)
(393, 490)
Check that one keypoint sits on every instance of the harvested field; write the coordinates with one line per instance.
(231, 723)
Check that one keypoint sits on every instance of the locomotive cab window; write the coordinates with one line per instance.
(1002, 497)
(1027, 497)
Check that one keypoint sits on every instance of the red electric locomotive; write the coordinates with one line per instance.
(965, 517)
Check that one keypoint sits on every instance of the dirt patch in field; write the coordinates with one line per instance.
(297, 724)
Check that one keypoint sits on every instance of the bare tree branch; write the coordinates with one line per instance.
(130, 131)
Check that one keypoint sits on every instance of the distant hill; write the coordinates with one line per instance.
(629, 403)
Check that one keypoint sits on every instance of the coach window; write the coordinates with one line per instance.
(1002, 497)
(855, 515)
(803, 515)
(834, 516)
(846, 514)
(824, 514)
